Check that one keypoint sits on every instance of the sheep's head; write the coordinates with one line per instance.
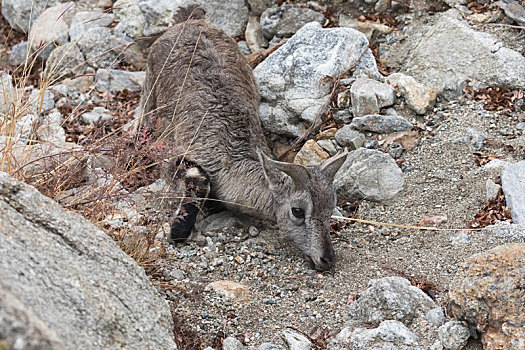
(305, 200)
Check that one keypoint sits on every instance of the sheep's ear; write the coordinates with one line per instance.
(332, 165)
(298, 173)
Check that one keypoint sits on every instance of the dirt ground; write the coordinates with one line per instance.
(284, 292)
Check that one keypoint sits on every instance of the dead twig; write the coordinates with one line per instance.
(257, 57)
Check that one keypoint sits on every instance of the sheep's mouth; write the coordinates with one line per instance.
(320, 266)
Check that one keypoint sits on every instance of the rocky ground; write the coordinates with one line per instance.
(429, 98)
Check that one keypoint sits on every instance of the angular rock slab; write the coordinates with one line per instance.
(513, 183)
(444, 54)
(295, 80)
(488, 294)
(369, 96)
(369, 174)
(383, 124)
(68, 284)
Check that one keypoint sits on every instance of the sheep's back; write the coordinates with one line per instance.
(200, 93)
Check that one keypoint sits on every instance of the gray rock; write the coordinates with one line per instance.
(26, 330)
(369, 95)
(369, 174)
(230, 16)
(436, 316)
(390, 298)
(95, 44)
(231, 343)
(328, 146)
(395, 150)
(65, 60)
(51, 130)
(24, 126)
(371, 144)
(41, 102)
(520, 126)
(453, 335)
(293, 80)
(157, 15)
(440, 55)
(390, 334)
(492, 190)
(284, 21)
(269, 346)
(85, 20)
(114, 80)
(22, 13)
(347, 136)
(296, 341)
(177, 274)
(459, 238)
(18, 53)
(416, 95)
(513, 9)
(244, 48)
(513, 183)
(343, 116)
(453, 3)
(384, 124)
(50, 27)
(495, 164)
(475, 138)
(97, 115)
(127, 48)
(8, 93)
(512, 233)
(57, 281)
(131, 18)
(254, 35)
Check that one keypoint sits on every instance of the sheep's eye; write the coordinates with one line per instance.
(298, 213)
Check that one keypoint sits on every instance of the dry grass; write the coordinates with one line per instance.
(66, 171)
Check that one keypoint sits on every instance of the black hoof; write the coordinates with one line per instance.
(182, 226)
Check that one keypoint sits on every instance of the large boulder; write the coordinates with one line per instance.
(64, 284)
(295, 81)
(487, 293)
(445, 53)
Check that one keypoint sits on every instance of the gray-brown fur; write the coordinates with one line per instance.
(200, 93)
